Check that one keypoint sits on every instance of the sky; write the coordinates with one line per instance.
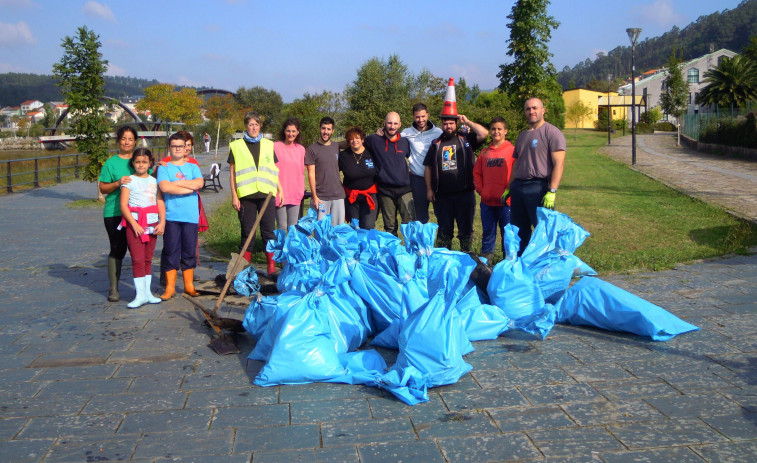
(297, 47)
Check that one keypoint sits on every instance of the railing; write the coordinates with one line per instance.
(694, 124)
(42, 170)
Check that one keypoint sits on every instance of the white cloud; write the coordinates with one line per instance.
(16, 34)
(659, 12)
(98, 10)
(114, 70)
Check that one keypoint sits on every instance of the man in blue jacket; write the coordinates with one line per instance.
(390, 152)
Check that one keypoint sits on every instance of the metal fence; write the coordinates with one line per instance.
(695, 124)
(34, 172)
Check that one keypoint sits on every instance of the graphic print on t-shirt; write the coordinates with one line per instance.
(449, 158)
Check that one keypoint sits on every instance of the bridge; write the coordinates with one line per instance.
(145, 129)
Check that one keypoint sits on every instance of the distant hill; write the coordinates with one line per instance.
(729, 29)
(17, 87)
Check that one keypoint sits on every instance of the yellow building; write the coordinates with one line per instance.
(620, 105)
(591, 99)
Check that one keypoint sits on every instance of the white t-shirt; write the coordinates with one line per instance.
(143, 192)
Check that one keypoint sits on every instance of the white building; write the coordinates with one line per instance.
(652, 86)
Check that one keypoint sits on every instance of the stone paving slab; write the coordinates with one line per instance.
(88, 380)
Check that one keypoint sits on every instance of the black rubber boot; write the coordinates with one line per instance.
(114, 274)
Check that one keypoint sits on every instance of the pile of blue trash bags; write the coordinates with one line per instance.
(343, 286)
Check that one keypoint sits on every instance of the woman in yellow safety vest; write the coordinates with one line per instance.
(254, 174)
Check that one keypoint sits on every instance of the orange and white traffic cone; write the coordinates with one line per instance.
(450, 102)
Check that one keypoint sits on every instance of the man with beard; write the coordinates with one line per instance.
(537, 170)
(322, 163)
(420, 135)
(390, 153)
(449, 179)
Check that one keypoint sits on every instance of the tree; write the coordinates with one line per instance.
(732, 83)
(652, 116)
(311, 108)
(674, 98)
(169, 105)
(80, 75)
(226, 111)
(49, 118)
(267, 103)
(576, 112)
(531, 74)
(24, 123)
(381, 86)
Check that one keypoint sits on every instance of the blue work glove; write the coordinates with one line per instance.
(549, 200)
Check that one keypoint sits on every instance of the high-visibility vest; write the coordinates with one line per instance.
(251, 179)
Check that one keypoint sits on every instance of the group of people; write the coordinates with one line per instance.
(141, 205)
(399, 173)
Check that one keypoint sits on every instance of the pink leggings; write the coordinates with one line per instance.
(141, 253)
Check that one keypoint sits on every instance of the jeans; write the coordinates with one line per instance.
(180, 241)
(525, 197)
(493, 218)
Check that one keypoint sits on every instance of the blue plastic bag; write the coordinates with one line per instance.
(433, 341)
(512, 287)
(553, 230)
(246, 282)
(597, 303)
(481, 320)
(554, 271)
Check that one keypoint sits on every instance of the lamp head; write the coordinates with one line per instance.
(633, 34)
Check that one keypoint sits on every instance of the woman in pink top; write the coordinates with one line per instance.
(291, 163)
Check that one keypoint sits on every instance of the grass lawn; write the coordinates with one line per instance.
(635, 223)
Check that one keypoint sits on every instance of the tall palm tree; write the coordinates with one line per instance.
(732, 83)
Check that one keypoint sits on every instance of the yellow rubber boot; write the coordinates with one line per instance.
(189, 287)
(170, 285)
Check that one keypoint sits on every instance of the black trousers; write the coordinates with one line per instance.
(525, 197)
(362, 211)
(454, 208)
(247, 216)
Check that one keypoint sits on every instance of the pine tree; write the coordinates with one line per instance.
(80, 75)
(531, 74)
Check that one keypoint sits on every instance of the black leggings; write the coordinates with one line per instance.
(116, 237)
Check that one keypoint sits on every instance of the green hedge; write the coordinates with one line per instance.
(731, 132)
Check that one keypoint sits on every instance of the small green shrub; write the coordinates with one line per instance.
(665, 127)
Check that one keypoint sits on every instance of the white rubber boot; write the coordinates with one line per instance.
(139, 300)
(149, 297)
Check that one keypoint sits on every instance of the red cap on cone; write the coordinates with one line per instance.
(450, 102)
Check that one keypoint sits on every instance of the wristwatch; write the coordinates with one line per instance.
(553, 190)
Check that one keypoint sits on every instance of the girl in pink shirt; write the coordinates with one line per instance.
(291, 163)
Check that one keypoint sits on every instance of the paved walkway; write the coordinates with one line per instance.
(725, 181)
(87, 380)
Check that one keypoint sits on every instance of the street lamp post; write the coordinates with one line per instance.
(633, 35)
(609, 119)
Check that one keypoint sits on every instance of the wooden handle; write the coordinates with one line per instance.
(241, 253)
